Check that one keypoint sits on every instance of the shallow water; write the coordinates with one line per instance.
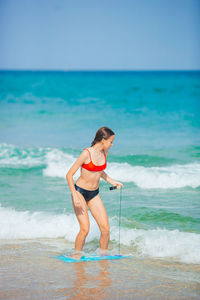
(29, 270)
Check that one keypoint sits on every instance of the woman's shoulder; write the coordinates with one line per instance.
(90, 149)
(86, 150)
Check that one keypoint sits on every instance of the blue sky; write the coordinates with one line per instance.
(100, 34)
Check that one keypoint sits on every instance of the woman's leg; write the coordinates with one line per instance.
(83, 219)
(98, 211)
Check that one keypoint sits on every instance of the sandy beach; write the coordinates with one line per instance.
(30, 271)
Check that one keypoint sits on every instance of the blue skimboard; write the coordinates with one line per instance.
(66, 258)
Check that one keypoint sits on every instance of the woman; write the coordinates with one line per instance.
(86, 190)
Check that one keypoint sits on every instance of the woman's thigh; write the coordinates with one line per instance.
(82, 212)
(98, 211)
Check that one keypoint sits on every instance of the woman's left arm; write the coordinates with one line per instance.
(111, 181)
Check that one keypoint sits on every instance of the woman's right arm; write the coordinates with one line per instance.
(69, 176)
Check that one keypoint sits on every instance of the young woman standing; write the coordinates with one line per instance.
(85, 192)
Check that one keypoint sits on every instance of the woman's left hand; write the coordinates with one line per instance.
(118, 184)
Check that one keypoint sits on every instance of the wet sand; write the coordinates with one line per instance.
(28, 270)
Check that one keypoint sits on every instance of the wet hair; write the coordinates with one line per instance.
(102, 133)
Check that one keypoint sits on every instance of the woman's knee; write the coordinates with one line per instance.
(105, 229)
(84, 230)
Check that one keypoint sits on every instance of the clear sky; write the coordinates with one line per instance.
(100, 34)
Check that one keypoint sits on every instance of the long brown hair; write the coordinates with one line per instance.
(102, 133)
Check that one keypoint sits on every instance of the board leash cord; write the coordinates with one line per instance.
(120, 201)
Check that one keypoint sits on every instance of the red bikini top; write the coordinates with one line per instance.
(92, 167)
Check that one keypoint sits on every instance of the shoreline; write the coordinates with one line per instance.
(29, 271)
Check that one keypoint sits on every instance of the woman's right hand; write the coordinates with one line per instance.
(76, 199)
(78, 206)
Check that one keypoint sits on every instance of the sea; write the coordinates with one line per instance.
(46, 119)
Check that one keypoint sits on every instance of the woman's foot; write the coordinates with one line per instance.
(103, 252)
(76, 255)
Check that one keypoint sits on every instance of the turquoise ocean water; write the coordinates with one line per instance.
(47, 118)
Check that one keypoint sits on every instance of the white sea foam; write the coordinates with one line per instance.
(163, 243)
(29, 225)
(157, 243)
(175, 176)
(15, 156)
(56, 164)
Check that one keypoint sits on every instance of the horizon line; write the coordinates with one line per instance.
(99, 70)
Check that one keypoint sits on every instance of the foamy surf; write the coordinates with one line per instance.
(162, 243)
(56, 163)
(175, 176)
(13, 156)
(155, 243)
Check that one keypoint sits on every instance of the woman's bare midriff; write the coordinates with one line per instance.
(89, 180)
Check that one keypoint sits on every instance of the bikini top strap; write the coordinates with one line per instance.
(89, 153)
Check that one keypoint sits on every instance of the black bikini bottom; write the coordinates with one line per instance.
(88, 195)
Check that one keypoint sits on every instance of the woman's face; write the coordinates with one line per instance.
(108, 143)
